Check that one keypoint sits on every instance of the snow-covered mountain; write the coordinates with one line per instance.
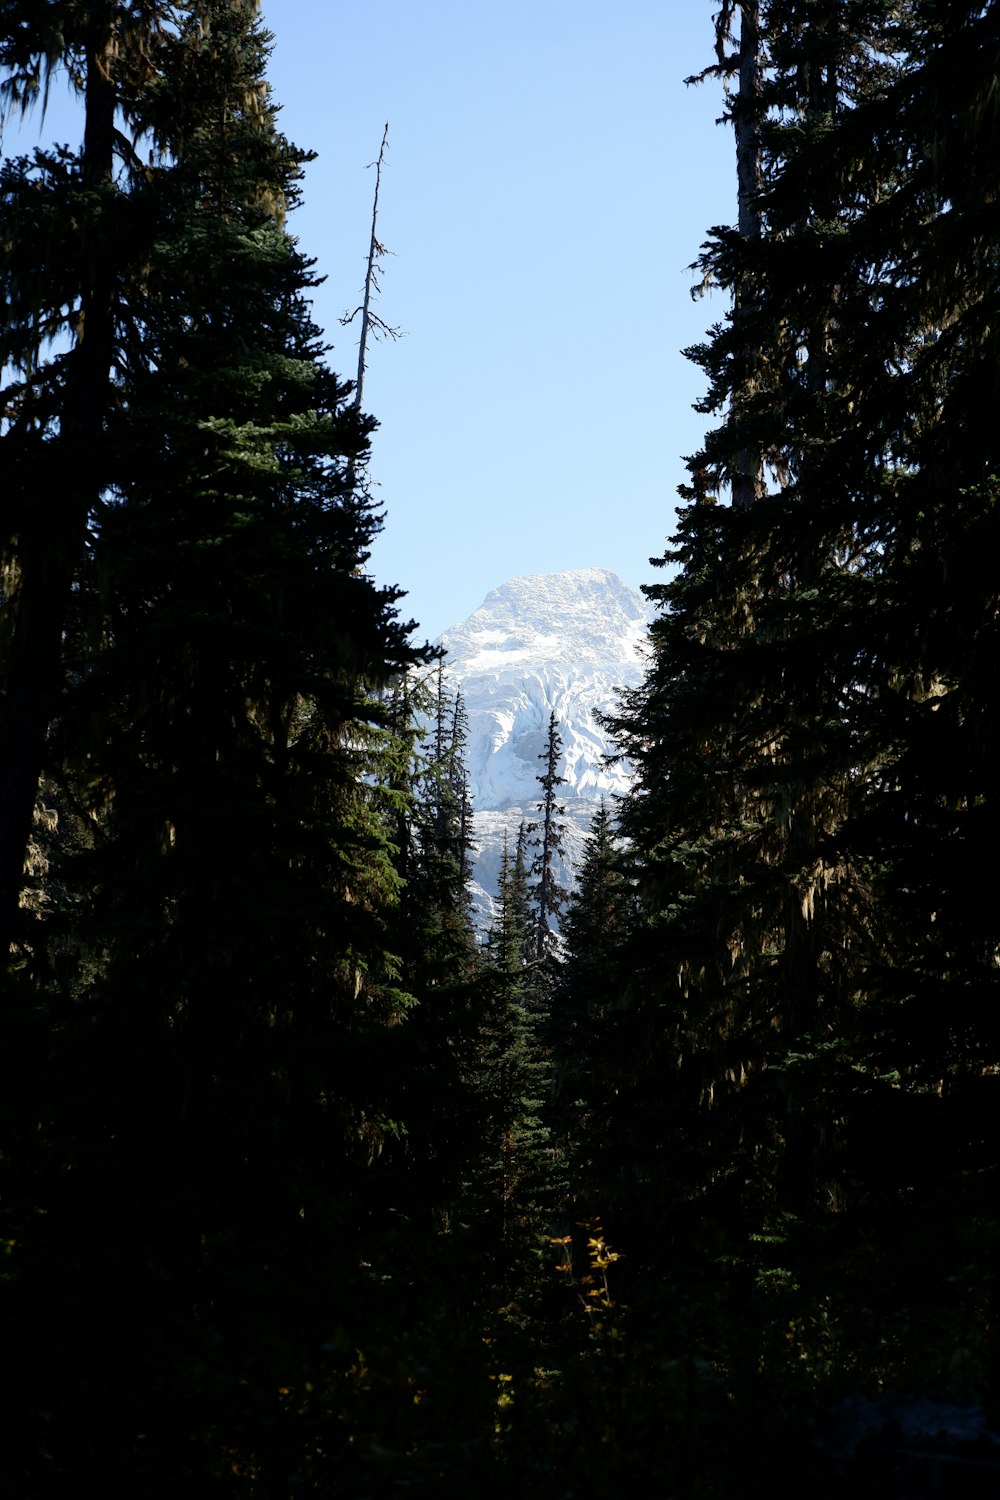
(559, 643)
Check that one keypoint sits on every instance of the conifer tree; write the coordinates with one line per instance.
(439, 958)
(597, 907)
(204, 1168)
(582, 1031)
(508, 1191)
(72, 242)
(753, 735)
(458, 781)
(773, 1014)
(934, 819)
(520, 891)
(547, 895)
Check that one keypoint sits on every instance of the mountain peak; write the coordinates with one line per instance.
(583, 618)
(562, 643)
(577, 588)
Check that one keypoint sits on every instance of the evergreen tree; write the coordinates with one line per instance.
(547, 895)
(439, 957)
(511, 1181)
(458, 781)
(934, 819)
(749, 735)
(73, 242)
(520, 892)
(187, 1198)
(582, 1025)
(596, 910)
(773, 1016)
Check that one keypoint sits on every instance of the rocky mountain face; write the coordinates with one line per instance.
(560, 643)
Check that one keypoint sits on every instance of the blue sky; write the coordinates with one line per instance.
(550, 178)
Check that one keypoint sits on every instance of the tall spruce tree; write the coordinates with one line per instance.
(184, 1201)
(935, 818)
(508, 1190)
(582, 1022)
(751, 756)
(547, 894)
(776, 1022)
(520, 891)
(72, 241)
(439, 957)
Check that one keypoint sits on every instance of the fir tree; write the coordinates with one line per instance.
(772, 1014)
(547, 895)
(439, 957)
(458, 781)
(519, 893)
(512, 1179)
(582, 1028)
(204, 1169)
(73, 242)
(749, 735)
